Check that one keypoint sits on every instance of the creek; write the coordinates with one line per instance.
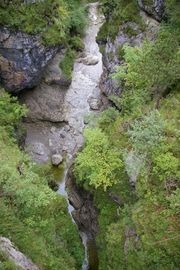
(83, 93)
(58, 116)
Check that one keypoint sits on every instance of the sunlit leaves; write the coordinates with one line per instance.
(148, 132)
(10, 110)
(98, 163)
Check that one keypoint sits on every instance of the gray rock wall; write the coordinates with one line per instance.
(155, 8)
(22, 59)
(13, 254)
(112, 48)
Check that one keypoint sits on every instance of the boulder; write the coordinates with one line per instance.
(44, 102)
(56, 159)
(94, 103)
(23, 58)
(89, 59)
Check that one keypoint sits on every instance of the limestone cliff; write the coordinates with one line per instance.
(14, 255)
(155, 8)
(22, 59)
(130, 33)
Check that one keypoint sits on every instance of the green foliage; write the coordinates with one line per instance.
(6, 264)
(149, 72)
(118, 12)
(142, 231)
(151, 69)
(78, 17)
(76, 43)
(173, 12)
(98, 164)
(54, 20)
(166, 166)
(32, 216)
(147, 133)
(67, 63)
(10, 110)
(107, 118)
(138, 225)
(120, 52)
(128, 30)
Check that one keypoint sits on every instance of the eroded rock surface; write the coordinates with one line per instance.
(53, 75)
(57, 109)
(155, 8)
(19, 259)
(85, 214)
(23, 57)
(113, 53)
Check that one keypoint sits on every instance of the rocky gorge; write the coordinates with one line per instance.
(61, 108)
(56, 114)
(58, 107)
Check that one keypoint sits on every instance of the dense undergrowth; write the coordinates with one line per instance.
(56, 21)
(130, 160)
(32, 216)
(117, 12)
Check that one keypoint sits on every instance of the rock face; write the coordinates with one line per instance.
(22, 59)
(15, 255)
(46, 101)
(155, 8)
(113, 53)
(85, 214)
(53, 75)
(111, 57)
(56, 111)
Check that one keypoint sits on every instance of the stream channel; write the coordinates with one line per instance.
(82, 96)
(56, 117)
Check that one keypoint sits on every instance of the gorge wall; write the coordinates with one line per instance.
(23, 58)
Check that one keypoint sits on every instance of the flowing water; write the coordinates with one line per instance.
(68, 108)
(83, 91)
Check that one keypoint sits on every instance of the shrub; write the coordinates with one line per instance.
(67, 63)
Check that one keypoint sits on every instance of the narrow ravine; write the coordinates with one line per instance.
(84, 93)
(82, 96)
(57, 116)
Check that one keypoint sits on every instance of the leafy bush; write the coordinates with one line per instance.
(10, 110)
(54, 20)
(98, 164)
(32, 216)
(67, 63)
(147, 133)
(150, 71)
(118, 12)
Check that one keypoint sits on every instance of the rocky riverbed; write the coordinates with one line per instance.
(56, 120)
